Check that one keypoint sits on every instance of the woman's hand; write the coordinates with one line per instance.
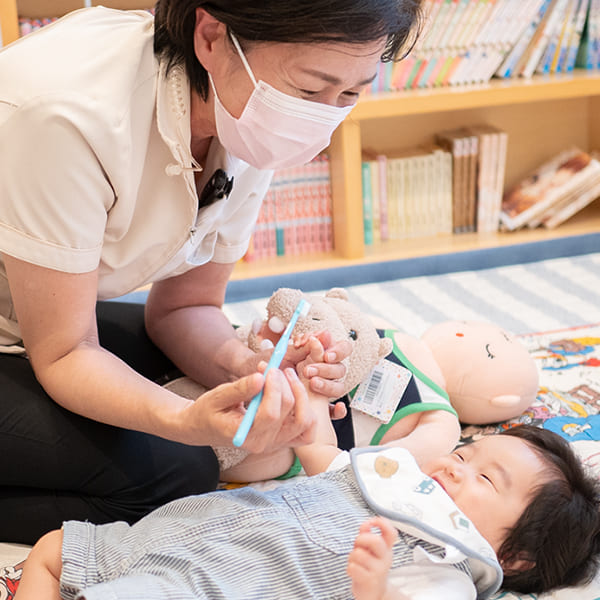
(371, 559)
(284, 417)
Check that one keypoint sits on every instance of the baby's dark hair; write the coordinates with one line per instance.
(559, 532)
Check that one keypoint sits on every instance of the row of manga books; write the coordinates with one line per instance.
(454, 186)
(296, 214)
(407, 196)
(471, 41)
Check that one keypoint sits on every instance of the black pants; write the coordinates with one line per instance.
(57, 466)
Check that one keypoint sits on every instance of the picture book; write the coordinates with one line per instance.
(548, 185)
(581, 197)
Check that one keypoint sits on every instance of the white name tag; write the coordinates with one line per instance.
(379, 393)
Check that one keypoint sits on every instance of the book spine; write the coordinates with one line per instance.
(541, 45)
(383, 197)
(507, 69)
(367, 203)
(577, 34)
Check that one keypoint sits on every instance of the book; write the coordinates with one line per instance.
(457, 142)
(585, 196)
(508, 66)
(594, 33)
(546, 29)
(560, 57)
(500, 170)
(472, 149)
(485, 174)
(375, 201)
(560, 18)
(383, 200)
(514, 20)
(367, 203)
(536, 195)
(575, 41)
(419, 192)
(474, 47)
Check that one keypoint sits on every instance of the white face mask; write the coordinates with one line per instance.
(275, 130)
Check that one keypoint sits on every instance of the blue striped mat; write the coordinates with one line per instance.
(522, 298)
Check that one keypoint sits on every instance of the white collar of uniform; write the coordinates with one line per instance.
(173, 121)
(393, 486)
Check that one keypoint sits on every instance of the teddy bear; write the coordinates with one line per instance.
(332, 312)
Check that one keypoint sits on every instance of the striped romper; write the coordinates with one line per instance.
(289, 543)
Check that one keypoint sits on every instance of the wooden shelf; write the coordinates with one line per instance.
(9, 21)
(498, 92)
(584, 222)
(542, 116)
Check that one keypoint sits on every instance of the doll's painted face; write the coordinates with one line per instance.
(491, 481)
(490, 375)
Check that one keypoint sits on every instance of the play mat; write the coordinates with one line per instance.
(568, 403)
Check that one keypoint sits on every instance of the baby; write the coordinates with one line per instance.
(517, 504)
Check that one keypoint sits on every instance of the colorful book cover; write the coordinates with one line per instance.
(546, 186)
(402, 71)
(584, 197)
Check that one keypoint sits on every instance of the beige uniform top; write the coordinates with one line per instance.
(93, 142)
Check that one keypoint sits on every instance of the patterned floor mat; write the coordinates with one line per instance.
(568, 403)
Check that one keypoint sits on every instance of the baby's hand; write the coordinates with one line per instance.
(313, 353)
(323, 367)
(371, 559)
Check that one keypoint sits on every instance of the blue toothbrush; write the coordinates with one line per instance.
(274, 362)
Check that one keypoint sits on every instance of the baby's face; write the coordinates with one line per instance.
(491, 481)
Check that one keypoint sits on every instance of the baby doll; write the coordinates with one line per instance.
(464, 520)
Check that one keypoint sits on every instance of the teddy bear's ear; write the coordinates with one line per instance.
(385, 347)
(340, 293)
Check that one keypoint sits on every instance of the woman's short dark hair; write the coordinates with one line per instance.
(559, 532)
(291, 21)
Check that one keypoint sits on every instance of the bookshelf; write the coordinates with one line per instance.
(10, 10)
(542, 116)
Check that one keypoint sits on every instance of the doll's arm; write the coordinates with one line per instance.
(425, 435)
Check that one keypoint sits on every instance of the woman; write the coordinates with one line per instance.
(137, 152)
